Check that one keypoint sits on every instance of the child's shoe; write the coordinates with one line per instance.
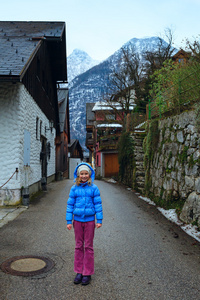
(78, 278)
(86, 280)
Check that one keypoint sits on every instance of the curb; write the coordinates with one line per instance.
(9, 214)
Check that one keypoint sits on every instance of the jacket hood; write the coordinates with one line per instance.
(92, 171)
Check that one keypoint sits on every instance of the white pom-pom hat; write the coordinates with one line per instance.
(83, 168)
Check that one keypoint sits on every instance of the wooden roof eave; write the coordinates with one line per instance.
(26, 66)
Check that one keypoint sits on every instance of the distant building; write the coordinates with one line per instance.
(32, 67)
(104, 125)
(90, 133)
(75, 156)
(181, 56)
(108, 128)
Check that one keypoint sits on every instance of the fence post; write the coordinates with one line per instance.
(179, 93)
(149, 109)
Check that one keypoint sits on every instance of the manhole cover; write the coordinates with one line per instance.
(28, 265)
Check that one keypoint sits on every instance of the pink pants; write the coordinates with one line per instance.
(84, 252)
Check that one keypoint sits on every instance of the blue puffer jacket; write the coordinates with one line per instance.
(84, 201)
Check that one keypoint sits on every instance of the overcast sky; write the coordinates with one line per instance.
(100, 27)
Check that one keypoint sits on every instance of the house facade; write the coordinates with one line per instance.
(181, 57)
(75, 156)
(32, 65)
(105, 121)
(63, 139)
(108, 127)
(103, 126)
(90, 133)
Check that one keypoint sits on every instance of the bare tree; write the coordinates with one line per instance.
(126, 80)
(133, 73)
(164, 50)
(194, 48)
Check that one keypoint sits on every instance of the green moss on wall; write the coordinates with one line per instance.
(126, 158)
(150, 145)
(183, 155)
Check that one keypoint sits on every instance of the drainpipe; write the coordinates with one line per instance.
(25, 196)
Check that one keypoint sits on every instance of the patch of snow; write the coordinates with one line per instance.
(112, 180)
(147, 200)
(192, 231)
(109, 125)
(171, 215)
(138, 131)
(140, 125)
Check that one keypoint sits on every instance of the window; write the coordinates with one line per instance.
(40, 128)
(110, 117)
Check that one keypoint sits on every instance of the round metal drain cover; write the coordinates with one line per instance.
(28, 265)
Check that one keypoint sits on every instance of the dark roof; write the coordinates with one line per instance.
(72, 143)
(19, 41)
(75, 145)
(183, 53)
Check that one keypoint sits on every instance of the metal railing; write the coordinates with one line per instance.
(180, 94)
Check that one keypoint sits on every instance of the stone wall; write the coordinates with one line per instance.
(18, 112)
(175, 168)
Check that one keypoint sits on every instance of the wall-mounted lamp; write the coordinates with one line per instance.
(51, 125)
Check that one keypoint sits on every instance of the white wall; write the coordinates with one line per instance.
(18, 112)
(73, 163)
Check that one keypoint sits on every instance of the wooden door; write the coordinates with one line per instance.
(111, 164)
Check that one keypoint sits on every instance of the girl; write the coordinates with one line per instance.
(83, 204)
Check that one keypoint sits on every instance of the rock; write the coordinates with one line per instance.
(191, 209)
(196, 155)
(191, 129)
(175, 194)
(180, 137)
(189, 182)
(190, 151)
(191, 171)
(185, 119)
(197, 185)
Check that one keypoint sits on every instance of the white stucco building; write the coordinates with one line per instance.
(31, 65)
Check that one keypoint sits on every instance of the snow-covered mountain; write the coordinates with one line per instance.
(79, 62)
(93, 85)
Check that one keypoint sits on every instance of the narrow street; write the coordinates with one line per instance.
(138, 253)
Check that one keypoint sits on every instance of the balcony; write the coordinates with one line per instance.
(108, 142)
(89, 141)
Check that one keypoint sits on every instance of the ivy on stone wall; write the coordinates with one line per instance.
(126, 158)
(149, 145)
(197, 110)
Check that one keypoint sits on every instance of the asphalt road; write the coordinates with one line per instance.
(138, 253)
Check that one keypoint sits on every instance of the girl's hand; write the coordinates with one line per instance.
(69, 226)
(98, 225)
